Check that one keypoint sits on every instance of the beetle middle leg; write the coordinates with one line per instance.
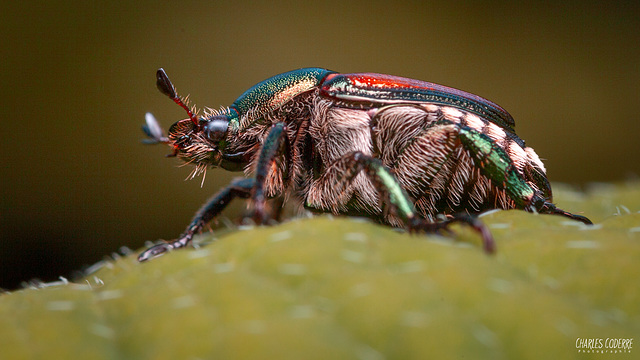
(334, 184)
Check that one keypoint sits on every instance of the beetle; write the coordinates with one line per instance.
(403, 152)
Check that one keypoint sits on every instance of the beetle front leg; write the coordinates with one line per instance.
(238, 188)
(276, 144)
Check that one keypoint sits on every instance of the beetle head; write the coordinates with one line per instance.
(201, 142)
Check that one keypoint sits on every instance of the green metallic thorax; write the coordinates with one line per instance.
(272, 93)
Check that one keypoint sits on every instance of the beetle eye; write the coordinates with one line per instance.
(216, 129)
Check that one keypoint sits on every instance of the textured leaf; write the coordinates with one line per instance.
(341, 288)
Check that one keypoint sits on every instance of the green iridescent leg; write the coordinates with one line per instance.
(498, 167)
(276, 144)
(395, 200)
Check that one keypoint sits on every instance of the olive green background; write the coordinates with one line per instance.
(77, 77)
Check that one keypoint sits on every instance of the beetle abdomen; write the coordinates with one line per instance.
(336, 132)
(450, 160)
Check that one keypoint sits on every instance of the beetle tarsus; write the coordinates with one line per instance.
(552, 209)
(421, 225)
(488, 243)
(155, 251)
(162, 248)
(583, 219)
(259, 213)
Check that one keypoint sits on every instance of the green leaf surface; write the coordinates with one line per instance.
(343, 288)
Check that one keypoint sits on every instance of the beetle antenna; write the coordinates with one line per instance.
(153, 130)
(166, 87)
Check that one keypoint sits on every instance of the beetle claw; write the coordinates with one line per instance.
(155, 251)
(549, 208)
(583, 219)
(162, 248)
(488, 243)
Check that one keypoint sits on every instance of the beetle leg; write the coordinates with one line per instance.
(238, 188)
(454, 160)
(395, 200)
(488, 243)
(549, 208)
(393, 196)
(496, 165)
(296, 149)
(274, 145)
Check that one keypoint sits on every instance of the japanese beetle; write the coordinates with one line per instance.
(404, 152)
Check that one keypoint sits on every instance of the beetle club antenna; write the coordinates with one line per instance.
(166, 87)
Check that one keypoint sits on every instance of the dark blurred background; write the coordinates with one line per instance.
(77, 77)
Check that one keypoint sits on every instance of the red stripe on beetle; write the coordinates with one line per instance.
(380, 81)
(383, 89)
(383, 81)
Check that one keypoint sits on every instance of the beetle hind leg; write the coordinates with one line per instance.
(549, 208)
